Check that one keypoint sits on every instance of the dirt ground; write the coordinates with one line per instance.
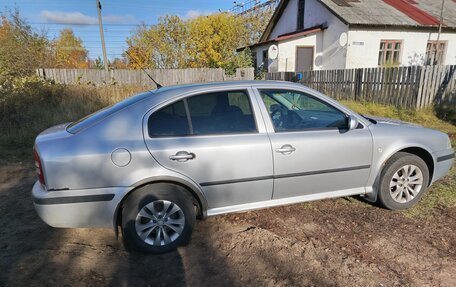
(342, 242)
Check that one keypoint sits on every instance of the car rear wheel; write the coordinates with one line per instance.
(403, 181)
(157, 218)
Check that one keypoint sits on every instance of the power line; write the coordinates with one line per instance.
(82, 24)
(243, 7)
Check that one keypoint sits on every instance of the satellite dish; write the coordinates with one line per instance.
(343, 39)
(273, 52)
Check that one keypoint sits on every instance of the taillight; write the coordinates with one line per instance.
(39, 167)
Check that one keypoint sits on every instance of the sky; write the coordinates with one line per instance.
(120, 17)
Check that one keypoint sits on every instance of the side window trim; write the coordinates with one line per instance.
(189, 118)
(259, 89)
(247, 90)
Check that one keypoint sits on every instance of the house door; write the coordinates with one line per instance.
(304, 59)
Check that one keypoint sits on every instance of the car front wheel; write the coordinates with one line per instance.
(403, 181)
(157, 218)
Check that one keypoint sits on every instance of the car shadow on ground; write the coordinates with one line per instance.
(33, 253)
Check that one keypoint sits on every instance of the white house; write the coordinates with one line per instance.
(343, 34)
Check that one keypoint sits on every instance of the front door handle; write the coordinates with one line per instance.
(286, 149)
(182, 156)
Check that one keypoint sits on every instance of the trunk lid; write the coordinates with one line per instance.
(53, 133)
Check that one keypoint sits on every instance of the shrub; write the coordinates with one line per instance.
(29, 105)
(446, 110)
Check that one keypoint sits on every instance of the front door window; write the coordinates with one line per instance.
(294, 111)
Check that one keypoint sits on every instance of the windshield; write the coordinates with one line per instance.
(97, 116)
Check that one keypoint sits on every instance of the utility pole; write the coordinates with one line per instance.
(437, 43)
(103, 46)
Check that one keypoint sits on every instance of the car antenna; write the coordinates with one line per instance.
(141, 67)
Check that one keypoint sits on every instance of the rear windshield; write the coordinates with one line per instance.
(97, 116)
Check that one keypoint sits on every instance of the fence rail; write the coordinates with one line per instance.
(411, 87)
(164, 77)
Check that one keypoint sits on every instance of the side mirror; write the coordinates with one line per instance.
(352, 123)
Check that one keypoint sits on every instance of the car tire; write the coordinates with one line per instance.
(403, 181)
(158, 218)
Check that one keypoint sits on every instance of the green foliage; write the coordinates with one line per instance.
(161, 46)
(21, 50)
(206, 41)
(240, 60)
(446, 110)
(29, 105)
(213, 40)
(69, 51)
(426, 117)
(98, 64)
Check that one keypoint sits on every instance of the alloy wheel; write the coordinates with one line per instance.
(406, 183)
(160, 222)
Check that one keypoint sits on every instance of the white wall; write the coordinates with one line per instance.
(286, 23)
(413, 47)
(328, 54)
(333, 55)
(315, 14)
(287, 51)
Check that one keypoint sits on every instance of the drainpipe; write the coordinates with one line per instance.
(440, 31)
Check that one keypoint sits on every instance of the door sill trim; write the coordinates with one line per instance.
(285, 201)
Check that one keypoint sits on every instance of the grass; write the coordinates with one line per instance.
(29, 106)
(441, 195)
(426, 117)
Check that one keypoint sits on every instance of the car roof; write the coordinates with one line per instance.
(169, 92)
(166, 93)
(196, 86)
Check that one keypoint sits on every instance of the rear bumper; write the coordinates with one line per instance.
(95, 207)
(444, 162)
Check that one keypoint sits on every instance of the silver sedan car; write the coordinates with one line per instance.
(155, 162)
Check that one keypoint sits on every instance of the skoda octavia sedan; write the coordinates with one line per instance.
(155, 162)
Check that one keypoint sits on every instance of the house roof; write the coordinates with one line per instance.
(287, 36)
(382, 13)
(394, 12)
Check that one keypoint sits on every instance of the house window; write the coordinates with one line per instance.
(265, 60)
(301, 5)
(435, 53)
(255, 59)
(390, 53)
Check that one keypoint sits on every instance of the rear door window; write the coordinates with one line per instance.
(221, 113)
(226, 112)
(170, 121)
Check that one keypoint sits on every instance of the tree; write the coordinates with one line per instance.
(139, 51)
(162, 46)
(205, 41)
(118, 63)
(70, 51)
(98, 64)
(213, 39)
(21, 50)
(256, 21)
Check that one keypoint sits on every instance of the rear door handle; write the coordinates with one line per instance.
(286, 149)
(182, 156)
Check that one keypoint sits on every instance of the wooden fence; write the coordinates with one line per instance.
(164, 77)
(410, 87)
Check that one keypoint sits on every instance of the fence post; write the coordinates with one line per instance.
(358, 83)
